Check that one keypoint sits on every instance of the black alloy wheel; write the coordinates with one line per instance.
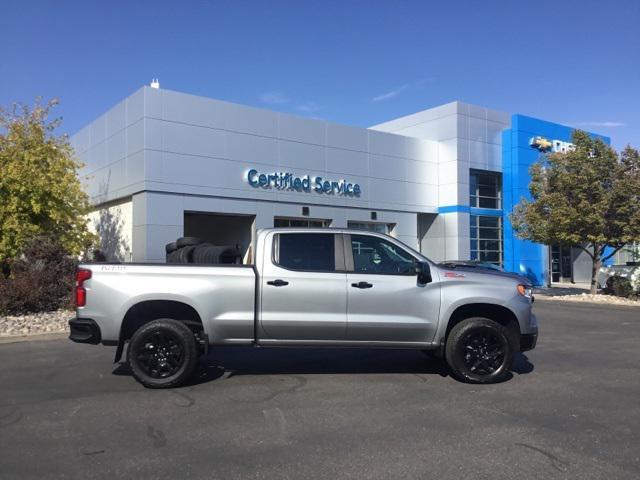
(163, 353)
(479, 350)
(483, 351)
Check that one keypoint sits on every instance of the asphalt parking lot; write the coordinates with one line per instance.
(571, 410)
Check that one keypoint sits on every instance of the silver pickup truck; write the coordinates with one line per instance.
(307, 287)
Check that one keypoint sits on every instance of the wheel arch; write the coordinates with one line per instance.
(145, 311)
(498, 313)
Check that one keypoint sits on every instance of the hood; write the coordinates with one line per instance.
(485, 271)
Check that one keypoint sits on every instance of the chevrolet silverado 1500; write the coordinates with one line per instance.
(306, 287)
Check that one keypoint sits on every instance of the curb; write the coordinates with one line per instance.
(590, 303)
(36, 337)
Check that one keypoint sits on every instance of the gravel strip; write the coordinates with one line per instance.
(35, 323)
(589, 298)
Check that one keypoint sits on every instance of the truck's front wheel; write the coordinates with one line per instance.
(478, 350)
(162, 353)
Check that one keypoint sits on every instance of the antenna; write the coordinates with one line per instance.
(155, 83)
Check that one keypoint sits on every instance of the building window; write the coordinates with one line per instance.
(300, 222)
(486, 239)
(485, 189)
(371, 226)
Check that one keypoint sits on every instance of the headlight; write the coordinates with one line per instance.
(525, 290)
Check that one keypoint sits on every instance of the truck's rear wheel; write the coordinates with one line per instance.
(162, 353)
(478, 350)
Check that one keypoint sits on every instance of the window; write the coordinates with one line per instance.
(486, 239)
(370, 226)
(485, 189)
(375, 255)
(300, 222)
(306, 251)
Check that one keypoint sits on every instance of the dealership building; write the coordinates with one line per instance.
(163, 164)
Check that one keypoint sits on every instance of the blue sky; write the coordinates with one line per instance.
(348, 61)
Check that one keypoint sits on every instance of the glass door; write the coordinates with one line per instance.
(561, 264)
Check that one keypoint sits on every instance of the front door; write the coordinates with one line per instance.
(303, 288)
(385, 302)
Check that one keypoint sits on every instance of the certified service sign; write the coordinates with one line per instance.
(289, 181)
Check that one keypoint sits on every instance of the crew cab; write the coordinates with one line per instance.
(306, 287)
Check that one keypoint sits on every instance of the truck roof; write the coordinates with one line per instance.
(319, 230)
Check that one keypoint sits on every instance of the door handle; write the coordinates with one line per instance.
(362, 285)
(278, 283)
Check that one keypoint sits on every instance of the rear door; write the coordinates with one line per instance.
(303, 287)
(385, 301)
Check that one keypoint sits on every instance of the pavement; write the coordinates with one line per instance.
(570, 411)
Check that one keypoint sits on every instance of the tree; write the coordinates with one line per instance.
(587, 198)
(40, 192)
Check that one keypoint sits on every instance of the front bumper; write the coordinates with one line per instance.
(528, 341)
(84, 330)
(529, 338)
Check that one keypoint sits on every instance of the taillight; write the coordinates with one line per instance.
(81, 293)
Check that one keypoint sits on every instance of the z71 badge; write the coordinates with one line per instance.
(454, 275)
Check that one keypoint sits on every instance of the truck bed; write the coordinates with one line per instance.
(115, 287)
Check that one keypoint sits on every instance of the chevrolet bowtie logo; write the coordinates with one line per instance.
(541, 144)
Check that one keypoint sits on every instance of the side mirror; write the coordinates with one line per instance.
(423, 271)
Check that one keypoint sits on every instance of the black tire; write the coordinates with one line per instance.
(162, 353)
(188, 241)
(199, 253)
(173, 257)
(171, 247)
(208, 254)
(478, 350)
(184, 254)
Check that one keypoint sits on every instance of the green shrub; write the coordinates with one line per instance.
(40, 279)
(619, 286)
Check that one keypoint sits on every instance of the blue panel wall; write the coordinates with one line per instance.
(521, 256)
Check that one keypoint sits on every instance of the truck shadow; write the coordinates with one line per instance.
(291, 361)
(316, 361)
(226, 362)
